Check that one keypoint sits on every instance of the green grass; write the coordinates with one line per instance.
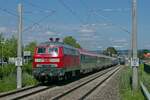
(8, 77)
(9, 83)
(125, 86)
(145, 77)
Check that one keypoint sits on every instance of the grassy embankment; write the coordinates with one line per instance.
(145, 75)
(8, 77)
(126, 84)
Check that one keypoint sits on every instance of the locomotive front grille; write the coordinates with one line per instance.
(50, 70)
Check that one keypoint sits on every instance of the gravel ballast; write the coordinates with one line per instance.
(108, 91)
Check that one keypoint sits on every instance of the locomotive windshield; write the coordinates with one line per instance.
(41, 50)
(53, 51)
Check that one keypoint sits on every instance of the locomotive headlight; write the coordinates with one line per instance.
(39, 60)
(38, 65)
(55, 60)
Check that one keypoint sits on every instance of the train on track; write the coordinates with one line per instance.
(54, 60)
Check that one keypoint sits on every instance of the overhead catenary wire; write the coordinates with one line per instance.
(86, 7)
(8, 12)
(120, 27)
(105, 18)
(37, 22)
(70, 10)
(34, 22)
(13, 14)
(40, 20)
(37, 6)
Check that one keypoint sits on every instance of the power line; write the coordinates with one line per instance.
(105, 18)
(36, 6)
(8, 12)
(34, 23)
(86, 7)
(40, 8)
(37, 23)
(70, 10)
(13, 13)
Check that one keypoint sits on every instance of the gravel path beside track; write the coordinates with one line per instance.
(109, 90)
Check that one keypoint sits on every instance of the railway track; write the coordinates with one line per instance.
(82, 90)
(76, 90)
(21, 93)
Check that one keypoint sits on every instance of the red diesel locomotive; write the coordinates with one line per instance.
(56, 60)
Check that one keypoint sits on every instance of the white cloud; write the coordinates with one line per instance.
(107, 10)
(147, 45)
(50, 33)
(88, 25)
(3, 29)
(99, 47)
(118, 46)
(115, 9)
(85, 30)
(49, 11)
(8, 31)
(122, 40)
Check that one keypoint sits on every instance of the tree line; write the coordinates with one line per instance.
(8, 47)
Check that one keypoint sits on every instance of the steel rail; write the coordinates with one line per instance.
(145, 91)
(80, 85)
(96, 86)
(18, 90)
(15, 95)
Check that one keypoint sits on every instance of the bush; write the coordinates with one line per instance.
(8, 77)
(6, 70)
(8, 83)
(29, 80)
(27, 68)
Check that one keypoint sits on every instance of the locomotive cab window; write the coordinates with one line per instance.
(41, 50)
(53, 51)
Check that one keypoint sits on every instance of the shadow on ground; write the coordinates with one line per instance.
(147, 68)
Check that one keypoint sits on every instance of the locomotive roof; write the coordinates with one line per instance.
(82, 51)
(48, 43)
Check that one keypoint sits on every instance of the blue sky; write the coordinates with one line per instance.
(96, 24)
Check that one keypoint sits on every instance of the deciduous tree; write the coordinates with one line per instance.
(71, 41)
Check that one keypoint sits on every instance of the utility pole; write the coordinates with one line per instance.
(19, 49)
(134, 59)
(2, 60)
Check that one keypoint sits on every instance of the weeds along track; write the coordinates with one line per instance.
(23, 92)
(81, 91)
